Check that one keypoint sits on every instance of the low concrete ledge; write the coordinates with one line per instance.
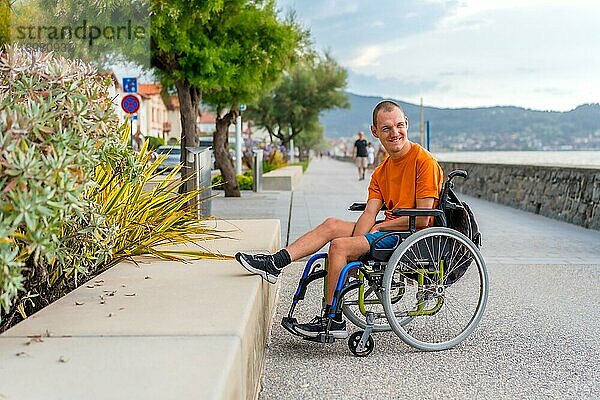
(285, 178)
(163, 330)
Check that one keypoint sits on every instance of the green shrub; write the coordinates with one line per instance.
(303, 164)
(273, 159)
(148, 219)
(71, 191)
(154, 142)
(244, 181)
(57, 123)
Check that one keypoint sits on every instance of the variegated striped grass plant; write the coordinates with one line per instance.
(149, 220)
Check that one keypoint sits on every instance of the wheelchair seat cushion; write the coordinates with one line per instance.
(389, 242)
(382, 248)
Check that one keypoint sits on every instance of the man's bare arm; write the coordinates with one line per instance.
(401, 223)
(367, 219)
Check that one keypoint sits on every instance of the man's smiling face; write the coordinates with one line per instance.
(392, 131)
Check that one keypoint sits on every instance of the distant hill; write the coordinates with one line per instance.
(487, 128)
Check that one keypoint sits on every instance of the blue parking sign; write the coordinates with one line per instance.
(130, 85)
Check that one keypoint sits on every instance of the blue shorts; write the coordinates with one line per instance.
(386, 243)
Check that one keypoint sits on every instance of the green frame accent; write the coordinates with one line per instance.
(421, 281)
(361, 296)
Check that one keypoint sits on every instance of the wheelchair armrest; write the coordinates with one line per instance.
(361, 207)
(417, 212)
(357, 207)
(413, 213)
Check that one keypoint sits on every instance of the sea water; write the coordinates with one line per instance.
(585, 159)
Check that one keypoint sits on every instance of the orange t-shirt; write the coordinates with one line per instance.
(398, 183)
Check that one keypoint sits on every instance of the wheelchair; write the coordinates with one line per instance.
(431, 289)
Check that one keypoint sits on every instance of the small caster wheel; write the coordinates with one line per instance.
(353, 342)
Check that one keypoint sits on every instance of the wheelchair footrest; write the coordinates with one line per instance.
(289, 324)
(321, 338)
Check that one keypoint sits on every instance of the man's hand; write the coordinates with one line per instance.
(375, 228)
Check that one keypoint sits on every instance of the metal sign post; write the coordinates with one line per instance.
(238, 145)
(130, 104)
(238, 141)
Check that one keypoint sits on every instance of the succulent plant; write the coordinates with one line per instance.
(73, 196)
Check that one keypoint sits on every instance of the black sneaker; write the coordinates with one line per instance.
(260, 264)
(318, 325)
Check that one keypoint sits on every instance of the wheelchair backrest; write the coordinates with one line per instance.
(459, 215)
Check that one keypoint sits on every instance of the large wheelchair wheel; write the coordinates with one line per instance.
(356, 312)
(446, 289)
(356, 305)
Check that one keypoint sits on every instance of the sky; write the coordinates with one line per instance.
(538, 54)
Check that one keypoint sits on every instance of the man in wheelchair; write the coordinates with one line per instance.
(409, 178)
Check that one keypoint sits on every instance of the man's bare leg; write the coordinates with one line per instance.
(313, 240)
(269, 266)
(341, 252)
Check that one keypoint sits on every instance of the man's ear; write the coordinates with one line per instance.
(374, 131)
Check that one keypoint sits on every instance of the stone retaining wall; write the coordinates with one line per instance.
(563, 193)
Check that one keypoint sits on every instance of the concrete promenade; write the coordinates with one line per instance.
(539, 338)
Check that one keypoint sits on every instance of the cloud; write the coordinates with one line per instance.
(553, 91)
(340, 25)
(536, 53)
(407, 90)
(367, 56)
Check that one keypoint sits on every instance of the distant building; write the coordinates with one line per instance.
(206, 123)
(172, 128)
(153, 114)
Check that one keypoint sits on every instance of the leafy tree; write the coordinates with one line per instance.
(102, 33)
(311, 138)
(231, 50)
(311, 86)
(257, 47)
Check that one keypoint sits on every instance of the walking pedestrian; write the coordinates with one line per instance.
(359, 154)
(371, 156)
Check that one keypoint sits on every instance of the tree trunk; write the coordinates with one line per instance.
(222, 156)
(189, 98)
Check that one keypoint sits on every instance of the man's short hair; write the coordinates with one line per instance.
(387, 106)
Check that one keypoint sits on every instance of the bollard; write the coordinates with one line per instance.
(257, 170)
(202, 179)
